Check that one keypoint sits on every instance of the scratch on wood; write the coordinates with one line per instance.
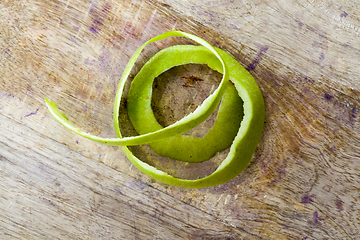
(118, 190)
(217, 202)
(135, 19)
(32, 113)
(128, 10)
(62, 14)
(148, 25)
(227, 199)
(257, 59)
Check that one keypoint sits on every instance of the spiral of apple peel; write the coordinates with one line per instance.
(239, 122)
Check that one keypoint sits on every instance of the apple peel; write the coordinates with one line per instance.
(248, 135)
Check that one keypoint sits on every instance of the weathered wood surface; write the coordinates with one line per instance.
(302, 182)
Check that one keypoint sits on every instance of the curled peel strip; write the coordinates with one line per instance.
(183, 147)
(245, 142)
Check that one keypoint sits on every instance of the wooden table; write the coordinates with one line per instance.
(302, 183)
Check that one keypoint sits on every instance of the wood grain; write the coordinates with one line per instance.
(302, 182)
(54, 192)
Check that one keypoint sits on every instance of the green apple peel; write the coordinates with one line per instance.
(162, 140)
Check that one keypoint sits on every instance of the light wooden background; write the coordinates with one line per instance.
(303, 182)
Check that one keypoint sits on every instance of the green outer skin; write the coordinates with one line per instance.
(243, 145)
(182, 147)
